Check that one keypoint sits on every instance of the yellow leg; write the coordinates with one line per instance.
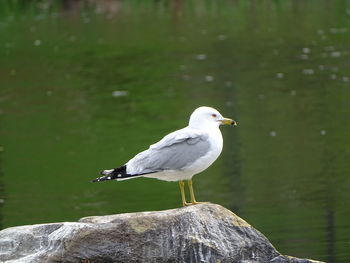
(190, 187)
(193, 199)
(183, 196)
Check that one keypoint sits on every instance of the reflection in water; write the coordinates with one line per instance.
(109, 7)
(88, 92)
(330, 231)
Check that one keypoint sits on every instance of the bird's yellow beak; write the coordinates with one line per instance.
(228, 121)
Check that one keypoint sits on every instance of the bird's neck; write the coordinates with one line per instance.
(203, 125)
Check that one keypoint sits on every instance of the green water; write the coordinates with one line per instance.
(85, 87)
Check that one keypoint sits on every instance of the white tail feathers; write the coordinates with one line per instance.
(107, 172)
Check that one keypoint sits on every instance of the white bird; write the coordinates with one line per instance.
(179, 155)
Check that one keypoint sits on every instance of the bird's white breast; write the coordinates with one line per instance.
(216, 144)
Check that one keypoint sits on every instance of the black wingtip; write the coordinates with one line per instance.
(98, 179)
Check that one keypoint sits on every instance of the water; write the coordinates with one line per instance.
(84, 87)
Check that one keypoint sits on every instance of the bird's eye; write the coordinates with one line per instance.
(214, 115)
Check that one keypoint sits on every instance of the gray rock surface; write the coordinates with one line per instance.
(200, 233)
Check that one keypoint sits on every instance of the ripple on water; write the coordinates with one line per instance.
(273, 133)
(304, 56)
(306, 50)
(119, 93)
(228, 83)
(37, 42)
(222, 37)
(201, 56)
(209, 78)
(308, 71)
(335, 54)
(280, 75)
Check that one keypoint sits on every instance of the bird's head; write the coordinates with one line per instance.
(207, 116)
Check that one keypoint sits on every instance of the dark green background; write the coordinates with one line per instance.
(280, 68)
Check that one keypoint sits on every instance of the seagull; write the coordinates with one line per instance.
(179, 155)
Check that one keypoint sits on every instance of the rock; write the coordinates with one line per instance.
(200, 233)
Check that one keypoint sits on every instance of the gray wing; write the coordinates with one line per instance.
(174, 152)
